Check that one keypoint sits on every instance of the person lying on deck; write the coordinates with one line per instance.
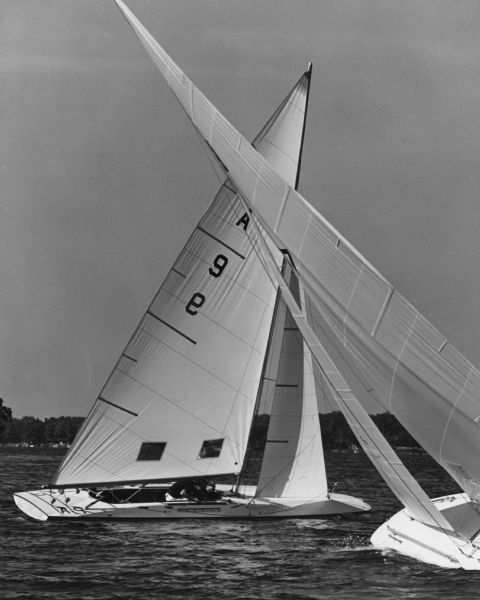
(193, 490)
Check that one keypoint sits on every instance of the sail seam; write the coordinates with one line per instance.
(178, 272)
(280, 151)
(382, 312)
(220, 242)
(460, 393)
(213, 126)
(192, 110)
(258, 174)
(306, 229)
(352, 293)
(180, 408)
(205, 316)
(397, 361)
(130, 412)
(232, 279)
(283, 203)
(184, 335)
(187, 358)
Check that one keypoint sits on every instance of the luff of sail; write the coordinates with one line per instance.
(400, 359)
(190, 373)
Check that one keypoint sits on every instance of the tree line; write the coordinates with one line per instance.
(336, 434)
(30, 430)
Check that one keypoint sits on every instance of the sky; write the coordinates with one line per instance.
(102, 178)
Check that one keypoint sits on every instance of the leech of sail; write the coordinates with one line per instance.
(221, 242)
(130, 412)
(171, 327)
(302, 139)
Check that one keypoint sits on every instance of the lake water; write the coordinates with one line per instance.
(218, 559)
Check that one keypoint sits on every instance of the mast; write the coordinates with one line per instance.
(308, 76)
(273, 331)
(259, 143)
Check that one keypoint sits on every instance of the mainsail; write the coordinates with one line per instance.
(180, 400)
(400, 360)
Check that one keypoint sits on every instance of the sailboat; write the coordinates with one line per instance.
(366, 340)
(216, 347)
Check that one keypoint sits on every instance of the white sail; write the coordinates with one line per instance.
(398, 356)
(180, 400)
(281, 139)
(336, 390)
(293, 463)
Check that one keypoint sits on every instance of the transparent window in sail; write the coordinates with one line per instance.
(151, 451)
(211, 448)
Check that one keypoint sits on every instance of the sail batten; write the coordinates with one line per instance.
(393, 349)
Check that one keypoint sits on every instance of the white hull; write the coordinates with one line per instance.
(411, 538)
(43, 505)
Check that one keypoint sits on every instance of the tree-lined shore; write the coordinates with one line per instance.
(336, 433)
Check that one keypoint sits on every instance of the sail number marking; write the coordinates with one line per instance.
(198, 299)
(219, 264)
(195, 302)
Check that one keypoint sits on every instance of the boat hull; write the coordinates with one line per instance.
(43, 505)
(407, 536)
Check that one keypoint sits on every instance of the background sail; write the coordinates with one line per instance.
(281, 139)
(402, 361)
(293, 463)
(185, 386)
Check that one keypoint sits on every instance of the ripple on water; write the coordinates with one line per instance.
(320, 558)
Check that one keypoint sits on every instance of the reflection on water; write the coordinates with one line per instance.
(316, 558)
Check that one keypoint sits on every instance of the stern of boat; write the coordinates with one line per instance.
(407, 536)
(45, 504)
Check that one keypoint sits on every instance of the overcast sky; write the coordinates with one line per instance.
(102, 178)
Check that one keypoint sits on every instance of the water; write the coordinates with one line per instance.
(292, 559)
